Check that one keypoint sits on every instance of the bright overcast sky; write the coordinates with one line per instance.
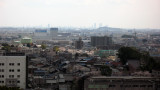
(114, 13)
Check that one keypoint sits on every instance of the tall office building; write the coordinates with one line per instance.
(40, 32)
(13, 70)
(79, 44)
(53, 32)
(101, 40)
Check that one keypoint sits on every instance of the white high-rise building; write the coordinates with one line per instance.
(53, 32)
(13, 70)
(41, 34)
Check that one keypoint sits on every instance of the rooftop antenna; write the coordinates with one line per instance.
(134, 33)
(135, 37)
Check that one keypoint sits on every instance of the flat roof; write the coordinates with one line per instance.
(120, 77)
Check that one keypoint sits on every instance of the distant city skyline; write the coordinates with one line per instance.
(81, 13)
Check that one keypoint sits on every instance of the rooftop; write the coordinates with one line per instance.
(120, 77)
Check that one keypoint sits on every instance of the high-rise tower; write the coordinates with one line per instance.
(53, 32)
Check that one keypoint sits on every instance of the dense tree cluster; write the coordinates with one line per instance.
(43, 46)
(9, 88)
(126, 53)
(105, 70)
(56, 48)
(6, 47)
(149, 62)
(0, 38)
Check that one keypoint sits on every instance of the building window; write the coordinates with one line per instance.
(12, 81)
(1, 70)
(127, 85)
(18, 76)
(150, 86)
(1, 64)
(112, 85)
(1, 81)
(11, 64)
(1, 76)
(18, 64)
(142, 85)
(11, 76)
(18, 70)
(11, 70)
(18, 81)
(135, 85)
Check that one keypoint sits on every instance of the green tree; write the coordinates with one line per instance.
(5, 44)
(125, 53)
(85, 55)
(7, 48)
(28, 45)
(43, 46)
(0, 38)
(19, 36)
(76, 55)
(12, 45)
(149, 62)
(56, 48)
(105, 70)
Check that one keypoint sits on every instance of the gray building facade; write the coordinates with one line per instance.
(122, 83)
(101, 41)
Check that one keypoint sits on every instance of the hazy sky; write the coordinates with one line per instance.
(114, 13)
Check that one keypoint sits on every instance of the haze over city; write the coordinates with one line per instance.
(79, 44)
(80, 13)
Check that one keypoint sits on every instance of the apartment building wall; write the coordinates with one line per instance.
(122, 83)
(13, 71)
(101, 40)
